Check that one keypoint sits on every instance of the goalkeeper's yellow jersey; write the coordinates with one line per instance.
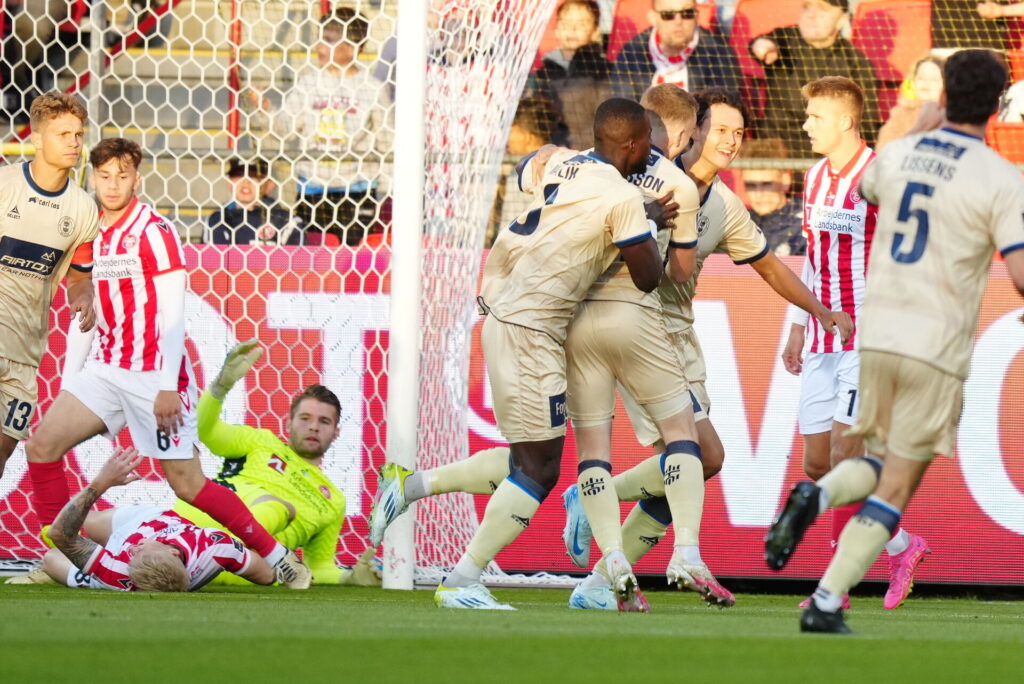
(257, 462)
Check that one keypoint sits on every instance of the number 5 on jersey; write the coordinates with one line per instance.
(905, 215)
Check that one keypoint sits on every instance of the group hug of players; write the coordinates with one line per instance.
(126, 366)
(590, 292)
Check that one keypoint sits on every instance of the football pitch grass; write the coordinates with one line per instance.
(347, 634)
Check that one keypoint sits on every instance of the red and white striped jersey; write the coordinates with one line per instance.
(127, 255)
(206, 550)
(839, 225)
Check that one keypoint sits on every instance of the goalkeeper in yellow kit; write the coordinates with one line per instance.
(281, 482)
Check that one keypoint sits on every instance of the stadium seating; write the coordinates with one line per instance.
(893, 34)
(1007, 139)
(757, 17)
(1016, 59)
(631, 19)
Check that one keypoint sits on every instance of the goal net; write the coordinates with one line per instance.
(268, 130)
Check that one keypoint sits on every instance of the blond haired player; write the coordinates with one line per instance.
(585, 214)
(723, 225)
(946, 203)
(138, 375)
(839, 225)
(47, 224)
(140, 548)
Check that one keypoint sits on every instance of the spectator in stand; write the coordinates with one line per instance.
(341, 113)
(924, 85)
(675, 50)
(972, 24)
(1011, 110)
(253, 217)
(534, 125)
(574, 76)
(795, 55)
(779, 216)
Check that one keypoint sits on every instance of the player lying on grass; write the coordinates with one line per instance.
(138, 374)
(946, 202)
(140, 548)
(281, 482)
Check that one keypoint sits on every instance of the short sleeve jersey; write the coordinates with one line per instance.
(946, 202)
(661, 177)
(39, 233)
(582, 213)
(723, 225)
(206, 551)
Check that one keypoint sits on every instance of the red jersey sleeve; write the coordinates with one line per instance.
(160, 248)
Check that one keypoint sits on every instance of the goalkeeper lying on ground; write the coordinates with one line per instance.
(281, 483)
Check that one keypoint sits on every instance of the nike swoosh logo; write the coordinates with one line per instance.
(602, 604)
(575, 539)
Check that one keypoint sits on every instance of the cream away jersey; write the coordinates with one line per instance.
(723, 225)
(544, 262)
(661, 177)
(946, 203)
(39, 233)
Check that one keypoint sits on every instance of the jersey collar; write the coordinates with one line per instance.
(850, 165)
(129, 210)
(952, 131)
(35, 188)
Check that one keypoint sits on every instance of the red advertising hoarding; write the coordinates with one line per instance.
(323, 316)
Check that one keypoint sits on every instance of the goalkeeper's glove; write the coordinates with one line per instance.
(366, 572)
(237, 363)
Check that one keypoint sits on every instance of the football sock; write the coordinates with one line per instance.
(899, 543)
(859, 546)
(643, 528)
(508, 513)
(851, 481)
(481, 473)
(684, 489)
(841, 516)
(642, 481)
(224, 506)
(50, 491)
(600, 504)
(597, 578)
(689, 554)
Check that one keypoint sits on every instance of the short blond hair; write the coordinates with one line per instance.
(671, 103)
(838, 88)
(158, 573)
(50, 105)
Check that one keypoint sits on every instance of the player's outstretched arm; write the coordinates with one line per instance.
(118, 470)
(224, 439)
(786, 283)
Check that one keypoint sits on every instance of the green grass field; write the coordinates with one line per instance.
(51, 634)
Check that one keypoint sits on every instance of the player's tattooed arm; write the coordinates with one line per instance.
(64, 531)
(118, 470)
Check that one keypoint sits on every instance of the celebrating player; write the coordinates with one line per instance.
(585, 214)
(839, 225)
(47, 224)
(281, 483)
(140, 548)
(139, 374)
(723, 225)
(946, 202)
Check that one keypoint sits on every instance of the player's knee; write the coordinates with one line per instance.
(42, 447)
(712, 458)
(185, 487)
(815, 470)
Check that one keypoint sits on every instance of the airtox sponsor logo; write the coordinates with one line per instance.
(28, 257)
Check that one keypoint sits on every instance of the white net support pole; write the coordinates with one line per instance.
(404, 346)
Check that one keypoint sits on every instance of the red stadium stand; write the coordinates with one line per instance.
(757, 17)
(631, 19)
(893, 34)
(1016, 59)
(1007, 139)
